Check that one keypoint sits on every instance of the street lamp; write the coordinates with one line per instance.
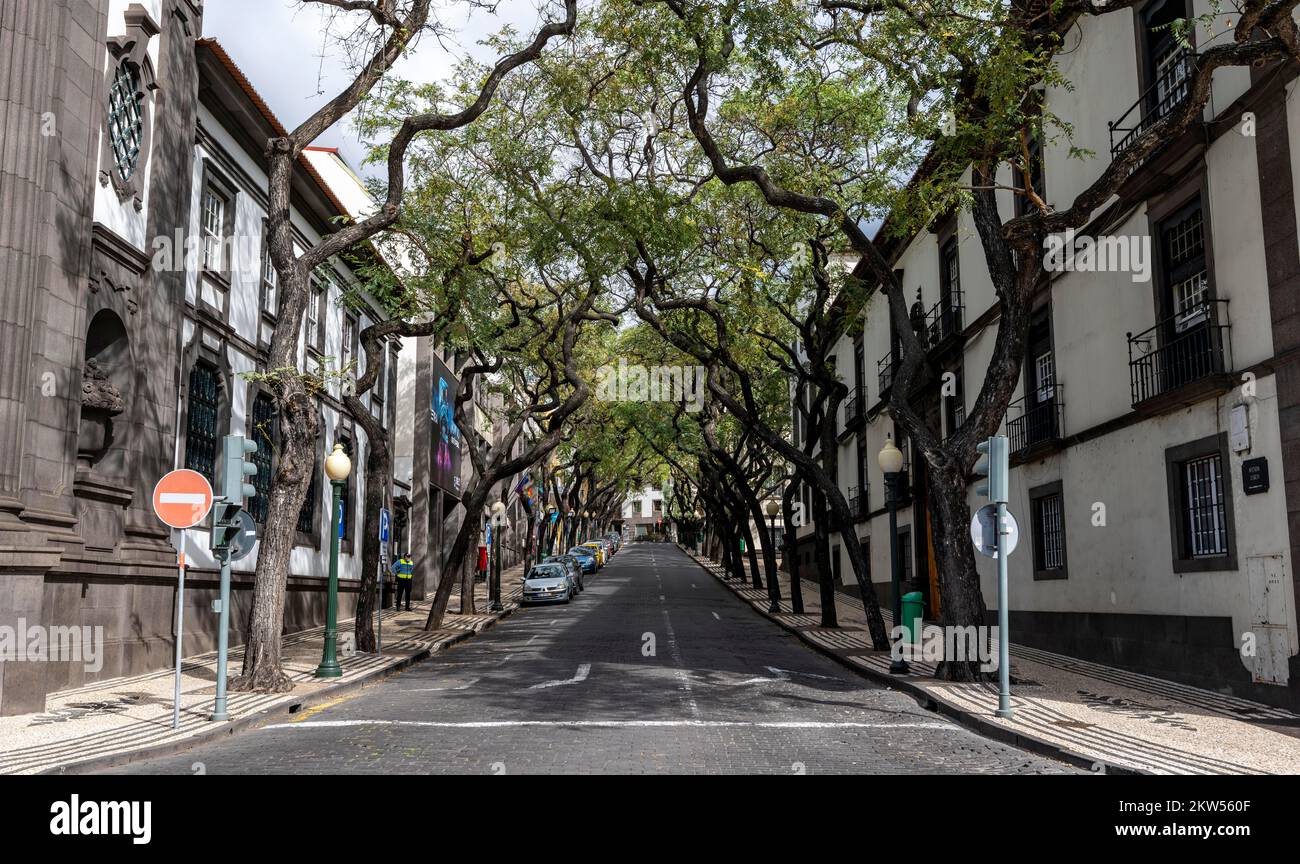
(772, 509)
(890, 460)
(550, 528)
(337, 468)
(586, 525)
(498, 522)
(699, 530)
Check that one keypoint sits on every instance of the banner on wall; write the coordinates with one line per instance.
(446, 458)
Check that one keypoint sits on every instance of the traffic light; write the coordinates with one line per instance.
(235, 469)
(993, 466)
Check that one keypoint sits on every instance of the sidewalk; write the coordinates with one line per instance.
(120, 720)
(1090, 714)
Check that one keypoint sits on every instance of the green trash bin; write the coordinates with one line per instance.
(913, 613)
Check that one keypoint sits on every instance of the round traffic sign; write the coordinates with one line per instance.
(984, 535)
(182, 498)
(242, 543)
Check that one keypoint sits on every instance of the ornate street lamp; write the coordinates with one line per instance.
(337, 468)
(498, 522)
(890, 460)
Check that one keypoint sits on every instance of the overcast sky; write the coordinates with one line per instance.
(283, 49)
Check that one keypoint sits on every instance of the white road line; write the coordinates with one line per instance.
(583, 671)
(679, 671)
(468, 684)
(612, 724)
(717, 617)
(785, 673)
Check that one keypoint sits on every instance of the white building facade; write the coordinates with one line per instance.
(1155, 470)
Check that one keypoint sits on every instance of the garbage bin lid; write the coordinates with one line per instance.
(913, 596)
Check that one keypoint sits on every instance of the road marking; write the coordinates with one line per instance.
(616, 724)
(583, 671)
(785, 673)
(468, 684)
(316, 709)
(679, 672)
(718, 617)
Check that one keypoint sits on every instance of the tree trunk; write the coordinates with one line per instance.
(378, 471)
(822, 555)
(473, 503)
(788, 547)
(468, 570)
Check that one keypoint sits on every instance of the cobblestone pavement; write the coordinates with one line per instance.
(656, 668)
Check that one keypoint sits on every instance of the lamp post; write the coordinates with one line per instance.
(550, 528)
(890, 460)
(337, 468)
(498, 522)
(699, 530)
(586, 526)
(772, 509)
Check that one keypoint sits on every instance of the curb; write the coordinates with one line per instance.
(927, 700)
(266, 715)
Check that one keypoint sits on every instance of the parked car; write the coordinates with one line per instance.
(586, 558)
(548, 583)
(599, 550)
(573, 566)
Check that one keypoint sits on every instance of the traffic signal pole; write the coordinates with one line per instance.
(223, 638)
(235, 469)
(995, 466)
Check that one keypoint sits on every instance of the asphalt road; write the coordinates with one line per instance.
(656, 668)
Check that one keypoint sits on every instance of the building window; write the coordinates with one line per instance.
(905, 555)
(1204, 520)
(347, 354)
(1047, 512)
(270, 281)
(307, 513)
(213, 229)
(344, 525)
(264, 434)
(126, 119)
(1200, 497)
(314, 320)
(201, 421)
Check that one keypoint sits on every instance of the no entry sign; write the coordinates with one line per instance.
(182, 498)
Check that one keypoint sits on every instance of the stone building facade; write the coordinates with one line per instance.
(135, 310)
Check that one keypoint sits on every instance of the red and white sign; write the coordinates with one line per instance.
(182, 498)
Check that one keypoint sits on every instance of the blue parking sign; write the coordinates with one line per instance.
(384, 523)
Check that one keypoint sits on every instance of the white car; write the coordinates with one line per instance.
(548, 583)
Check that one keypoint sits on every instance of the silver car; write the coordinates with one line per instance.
(548, 583)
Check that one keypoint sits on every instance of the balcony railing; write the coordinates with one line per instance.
(944, 319)
(1037, 423)
(854, 406)
(885, 367)
(1184, 348)
(858, 503)
(1170, 88)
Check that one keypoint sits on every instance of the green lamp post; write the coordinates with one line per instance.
(337, 468)
(890, 460)
(498, 524)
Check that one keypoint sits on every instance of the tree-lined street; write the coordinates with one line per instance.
(568, 689)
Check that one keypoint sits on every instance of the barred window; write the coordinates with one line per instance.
(307, 513)
(125, 119)
(265, 432)
(201, 424)
(1049, 533)
(1205, 520)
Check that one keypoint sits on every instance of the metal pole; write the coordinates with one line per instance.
(897, 666)
(329, 661)
(180, 627)
(496, 569)
(1004, 644)
(223, 637)
(379, 604)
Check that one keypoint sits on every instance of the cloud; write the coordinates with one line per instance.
(285, 50)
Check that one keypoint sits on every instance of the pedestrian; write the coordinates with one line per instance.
(404, 571)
